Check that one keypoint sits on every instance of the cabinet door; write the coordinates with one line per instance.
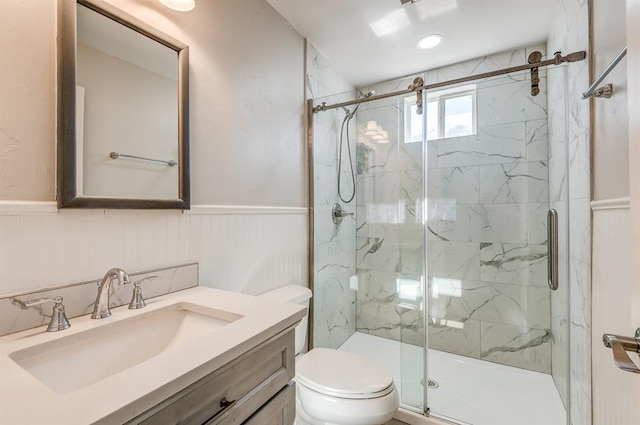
(232, 393)
(280, 410)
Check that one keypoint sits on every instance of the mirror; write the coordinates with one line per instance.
(122, 111)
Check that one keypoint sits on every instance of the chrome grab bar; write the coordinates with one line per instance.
(620, 345)
(116, 155)
(552, 249)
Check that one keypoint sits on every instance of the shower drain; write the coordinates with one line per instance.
(431, 383)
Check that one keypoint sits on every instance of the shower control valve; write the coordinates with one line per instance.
(337, 213)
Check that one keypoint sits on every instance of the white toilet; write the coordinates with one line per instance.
(334, 387)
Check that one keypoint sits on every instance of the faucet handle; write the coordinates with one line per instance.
(59, 320)
(136, 299)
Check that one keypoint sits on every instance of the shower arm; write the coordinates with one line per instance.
(556, 60)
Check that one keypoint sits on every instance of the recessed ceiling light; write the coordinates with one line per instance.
(429, 41)
(179, 5)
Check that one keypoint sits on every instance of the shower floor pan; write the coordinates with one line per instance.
(469, 390)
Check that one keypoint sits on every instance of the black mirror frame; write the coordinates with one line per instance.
(67, 196)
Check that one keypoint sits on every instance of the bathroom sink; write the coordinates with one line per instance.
(110, 370)
(68, 364)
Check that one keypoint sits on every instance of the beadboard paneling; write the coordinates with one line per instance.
(615, 393)
(250, 252)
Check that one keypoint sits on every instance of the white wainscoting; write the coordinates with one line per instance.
(241, 249)
(614, 401)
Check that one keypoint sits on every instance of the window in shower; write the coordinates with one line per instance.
(412, 121)
(450, 113)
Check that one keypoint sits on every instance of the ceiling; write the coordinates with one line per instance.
(370, 41)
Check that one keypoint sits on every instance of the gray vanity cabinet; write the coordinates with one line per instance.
(279, 411)
(255, 388)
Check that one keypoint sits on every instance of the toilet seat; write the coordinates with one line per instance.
(343, 375)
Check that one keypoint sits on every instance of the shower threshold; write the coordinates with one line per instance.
(470, 390)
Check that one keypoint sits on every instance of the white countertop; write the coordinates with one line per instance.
(120, 397)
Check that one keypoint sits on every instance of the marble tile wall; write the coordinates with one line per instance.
(488, 195)
(334, 245)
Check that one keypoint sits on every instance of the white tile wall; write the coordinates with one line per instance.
(249, 250)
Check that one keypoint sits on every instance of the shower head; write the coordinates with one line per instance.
(367, 94)
(351, 113)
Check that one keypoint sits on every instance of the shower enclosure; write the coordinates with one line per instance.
(438, 267)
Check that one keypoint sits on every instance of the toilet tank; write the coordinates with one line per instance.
(298, 295)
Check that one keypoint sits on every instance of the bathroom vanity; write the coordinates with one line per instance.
(254, 388)
(195, 356)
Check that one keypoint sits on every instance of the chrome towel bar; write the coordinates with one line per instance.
(607, 90)
(116, 155)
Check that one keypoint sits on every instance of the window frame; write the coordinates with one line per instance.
(441, 96)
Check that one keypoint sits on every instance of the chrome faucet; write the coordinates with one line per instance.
(101, 308)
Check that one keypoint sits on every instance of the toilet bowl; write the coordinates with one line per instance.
(334, 387)
(338, 388)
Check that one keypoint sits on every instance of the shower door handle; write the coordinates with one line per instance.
(552, 249)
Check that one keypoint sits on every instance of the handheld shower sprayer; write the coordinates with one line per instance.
(345, 123)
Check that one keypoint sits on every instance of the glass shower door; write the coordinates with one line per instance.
(390, 238)
(496, 332)
(368, 268)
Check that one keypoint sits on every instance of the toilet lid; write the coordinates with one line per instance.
(342, 374)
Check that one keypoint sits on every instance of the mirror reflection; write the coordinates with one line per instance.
(126, 111)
